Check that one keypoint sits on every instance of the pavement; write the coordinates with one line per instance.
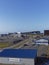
(16, 46)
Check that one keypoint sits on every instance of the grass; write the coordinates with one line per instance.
(8, 64)
(3, 45)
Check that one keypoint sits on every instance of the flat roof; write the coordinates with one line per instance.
(19, 53)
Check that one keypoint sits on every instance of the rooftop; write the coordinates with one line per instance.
(19, 53)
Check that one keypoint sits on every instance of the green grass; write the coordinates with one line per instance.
(3, 45)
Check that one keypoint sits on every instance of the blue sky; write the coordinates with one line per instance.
(23, 15)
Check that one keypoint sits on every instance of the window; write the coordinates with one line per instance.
(14, 59)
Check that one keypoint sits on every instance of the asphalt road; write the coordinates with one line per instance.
(17, 45)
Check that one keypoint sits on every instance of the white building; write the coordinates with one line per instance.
(42, 41)
(18, 56)
(19, 34)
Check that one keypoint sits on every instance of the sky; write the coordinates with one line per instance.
(24, 15)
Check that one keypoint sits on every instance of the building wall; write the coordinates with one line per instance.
(27, 61)
(20, 61)
(42, 42)
(46, 32)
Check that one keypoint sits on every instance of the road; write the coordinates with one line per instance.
(17, 46)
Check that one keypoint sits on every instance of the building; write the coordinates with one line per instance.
(32, 32)
(19, 34)
(42, 61)
(13, 34)
(46, 32)
(42, 41)
(18, 56)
